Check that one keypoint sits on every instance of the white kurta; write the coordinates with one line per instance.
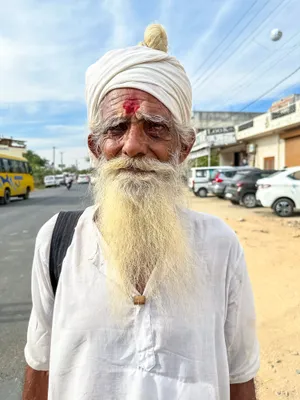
(151, 356)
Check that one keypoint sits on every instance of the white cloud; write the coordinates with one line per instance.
(220, 89)
(46, 46)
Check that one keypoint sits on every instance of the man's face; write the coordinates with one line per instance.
(138, 189)
(137, 125)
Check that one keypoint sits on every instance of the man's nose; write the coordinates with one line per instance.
(135, 142)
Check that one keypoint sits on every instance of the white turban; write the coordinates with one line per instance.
(144, 68)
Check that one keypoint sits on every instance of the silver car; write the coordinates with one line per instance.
(224, 178)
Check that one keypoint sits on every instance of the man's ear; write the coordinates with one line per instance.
(186, 148)
(96, 151)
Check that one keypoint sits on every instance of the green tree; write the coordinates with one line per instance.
(35, 160)
(40, 167)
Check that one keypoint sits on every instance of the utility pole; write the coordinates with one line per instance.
(61, 159)
(54, 157)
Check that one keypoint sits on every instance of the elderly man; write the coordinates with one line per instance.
(153, 301)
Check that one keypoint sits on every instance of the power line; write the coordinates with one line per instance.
(270, 90)
(265, 93)
(226, 36)
(198, 80)
(246, 84)
(243, 42)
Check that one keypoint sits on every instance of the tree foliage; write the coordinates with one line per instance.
(35, 160)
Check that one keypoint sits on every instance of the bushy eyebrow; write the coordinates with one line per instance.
(114, 121)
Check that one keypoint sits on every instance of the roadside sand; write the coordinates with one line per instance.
(272, 248)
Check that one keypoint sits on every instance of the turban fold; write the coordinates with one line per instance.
(144, 68)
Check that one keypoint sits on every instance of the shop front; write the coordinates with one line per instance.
(292, 147)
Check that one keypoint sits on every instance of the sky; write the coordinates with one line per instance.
(46, 47)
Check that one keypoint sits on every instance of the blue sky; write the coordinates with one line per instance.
(46, 47)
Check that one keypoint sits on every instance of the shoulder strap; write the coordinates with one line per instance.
(61, 239)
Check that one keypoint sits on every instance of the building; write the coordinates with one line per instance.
(273, 139)
(268, 141)
(217, 130)
(12, 147)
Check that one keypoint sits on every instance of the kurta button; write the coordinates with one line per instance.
(139, 300)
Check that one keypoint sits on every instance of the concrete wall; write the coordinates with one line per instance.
(211, 119)
(270, 146)
(12, 151)
(264, 124)
(226, 159)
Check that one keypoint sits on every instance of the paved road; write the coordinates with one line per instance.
(19, 223)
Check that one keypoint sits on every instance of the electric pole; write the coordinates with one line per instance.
(61, 159)
(54, 158)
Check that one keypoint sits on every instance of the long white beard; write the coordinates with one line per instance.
(146, 236)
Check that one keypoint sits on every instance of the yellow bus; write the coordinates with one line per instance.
(16, 178)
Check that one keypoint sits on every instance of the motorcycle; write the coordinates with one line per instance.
(69, 185)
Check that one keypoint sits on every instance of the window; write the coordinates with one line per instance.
(26, 167)
(256, 177)
(295, 176)
(6, 165)
(1, 166)
(213, 173)
(229, 174)
(14, 166)
(21, 167)
(201, 173)
(269, 163)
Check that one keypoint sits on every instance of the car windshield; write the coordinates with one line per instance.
(241, 175)
(275, 174)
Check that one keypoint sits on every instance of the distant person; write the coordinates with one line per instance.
(153, 300)
(68, 181)
(244, 162)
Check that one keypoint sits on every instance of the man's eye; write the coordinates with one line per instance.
(156, 129)
(118, 129)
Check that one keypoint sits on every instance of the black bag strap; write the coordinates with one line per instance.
(61, 239)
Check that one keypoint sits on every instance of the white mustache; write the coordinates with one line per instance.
(138, 164)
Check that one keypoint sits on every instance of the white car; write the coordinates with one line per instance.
(83, 179)
(281, 191)
(51, 181)
(200, 178)
(60, 179)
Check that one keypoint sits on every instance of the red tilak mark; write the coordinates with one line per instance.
(131, 106)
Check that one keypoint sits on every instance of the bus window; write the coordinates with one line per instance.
(21, 167)
(25, 164)
(6, 165)
(14, 166)
(1, 166)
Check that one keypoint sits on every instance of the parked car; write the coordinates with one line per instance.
(200, 178)
(224, 178)
(83, 179)
(51, 181)
(243, 187)
(281, 192)
(61, 179)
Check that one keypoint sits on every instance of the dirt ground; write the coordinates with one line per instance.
(272, 248)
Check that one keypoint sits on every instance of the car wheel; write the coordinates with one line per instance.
(284, 208)
(249, 200)
(202, 192)
(234, 202)
(26, 195)
(6, 198)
